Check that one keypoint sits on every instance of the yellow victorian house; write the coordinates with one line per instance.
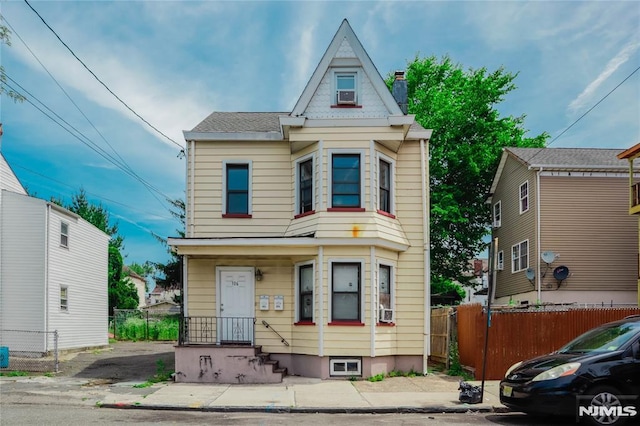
(307, 243)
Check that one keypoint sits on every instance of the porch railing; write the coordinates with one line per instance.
(217, 330)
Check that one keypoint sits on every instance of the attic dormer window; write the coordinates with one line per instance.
(346, 89)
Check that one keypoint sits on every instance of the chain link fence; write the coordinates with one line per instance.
(32, 351)
(136, 324)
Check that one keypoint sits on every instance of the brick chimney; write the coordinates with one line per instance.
(399, 91)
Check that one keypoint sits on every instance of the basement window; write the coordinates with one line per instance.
(345, 367)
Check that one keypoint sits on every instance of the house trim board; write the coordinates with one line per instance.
(373, 280)
(321, 301)
(292, 242)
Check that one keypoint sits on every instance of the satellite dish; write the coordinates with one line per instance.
(561, 273)
(531, 274)
(548, 256)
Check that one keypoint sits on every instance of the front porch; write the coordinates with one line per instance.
(223, 350)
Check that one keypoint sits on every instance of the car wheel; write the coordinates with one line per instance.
(604, 396)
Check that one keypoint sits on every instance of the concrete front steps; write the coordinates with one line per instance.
(229, 364)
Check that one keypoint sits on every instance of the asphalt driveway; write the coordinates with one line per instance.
(120, 362)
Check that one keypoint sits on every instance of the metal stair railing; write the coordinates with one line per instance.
(282, 339)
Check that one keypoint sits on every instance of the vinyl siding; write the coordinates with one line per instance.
(273, 211)
(83, 268)
(22, 268)
(271, 189)
(515, 227)
(585, 220)
(410, 295)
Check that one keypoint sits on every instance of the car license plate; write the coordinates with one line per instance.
(507, 390)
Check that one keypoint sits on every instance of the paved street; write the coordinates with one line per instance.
(52, 415)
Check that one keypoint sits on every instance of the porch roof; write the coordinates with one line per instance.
(274, 245)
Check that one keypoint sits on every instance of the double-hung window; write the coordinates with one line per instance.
(305, 293)
(346, 180)
(346, 291)
(385, 284)
(237, 189)
(500, 261)
(346, 88)
(520, 256)
(304, 186)
(524, 197)
(64, 234)
(385, 180)
(64, 299)
(497, 214)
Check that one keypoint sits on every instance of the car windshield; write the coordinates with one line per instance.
(603, 339)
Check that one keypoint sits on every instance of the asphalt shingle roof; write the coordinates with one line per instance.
(241, 122)
(571, 157)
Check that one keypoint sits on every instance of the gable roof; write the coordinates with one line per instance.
(562, 159)
(569, 158)
(275, 125)
(8, 179)
(345, 32)
(630, 153)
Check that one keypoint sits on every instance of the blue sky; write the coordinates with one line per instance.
(175, 62)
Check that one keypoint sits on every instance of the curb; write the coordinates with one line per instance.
(434, 409)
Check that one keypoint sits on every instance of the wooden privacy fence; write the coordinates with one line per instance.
(441, 334)
(516, 335)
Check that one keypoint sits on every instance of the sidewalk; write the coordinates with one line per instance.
(430, 394)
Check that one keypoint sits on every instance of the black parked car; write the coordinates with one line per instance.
(595, 377)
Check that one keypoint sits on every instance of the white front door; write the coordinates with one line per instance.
(236, 305)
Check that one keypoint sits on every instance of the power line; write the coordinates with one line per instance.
(596, 104)
(100, 81)
(79, 134)
(89, 193)
(122, 161)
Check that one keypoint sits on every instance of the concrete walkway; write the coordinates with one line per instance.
(430, 394)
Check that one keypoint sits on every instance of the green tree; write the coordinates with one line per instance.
(5, 38)
(122, 292)
(469, 134)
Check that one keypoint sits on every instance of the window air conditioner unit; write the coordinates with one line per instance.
(346, 97)
(386, 315)
(497, 224)
(500, 267)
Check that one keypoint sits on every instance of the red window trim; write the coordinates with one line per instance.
(383, 213)
(346, 209)
(346, 106)
(386, 324)
(347, 323)
(236, 216)
(309, 213)
(304, 323)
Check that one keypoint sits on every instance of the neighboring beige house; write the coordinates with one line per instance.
(564, 235)
(631, 155)
(307, 233)
(139, 283)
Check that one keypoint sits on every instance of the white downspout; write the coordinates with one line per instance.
(372, 168)
(374, 304)
(538, 233)
(321, 176)
(190, 215)
(321, 301)
(424, 169)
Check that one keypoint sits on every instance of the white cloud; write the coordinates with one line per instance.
(620, 58)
